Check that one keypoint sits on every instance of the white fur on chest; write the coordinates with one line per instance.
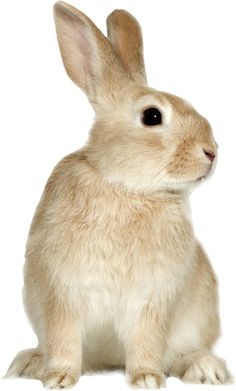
(118, 265)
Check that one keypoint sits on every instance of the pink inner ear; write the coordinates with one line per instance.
(86, 48)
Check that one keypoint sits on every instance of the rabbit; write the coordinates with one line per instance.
(114, 276)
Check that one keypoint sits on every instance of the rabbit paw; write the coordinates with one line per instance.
(148, 380)
(208, 369)
(59, 379)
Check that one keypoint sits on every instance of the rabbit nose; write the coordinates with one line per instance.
(209, 154)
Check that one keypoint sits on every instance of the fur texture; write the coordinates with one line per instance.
(114, 276)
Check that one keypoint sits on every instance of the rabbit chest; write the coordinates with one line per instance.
(126, 254)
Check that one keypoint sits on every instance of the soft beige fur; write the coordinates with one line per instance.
(114, 276)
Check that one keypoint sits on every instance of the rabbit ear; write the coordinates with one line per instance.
(87, 54)
(126, 37)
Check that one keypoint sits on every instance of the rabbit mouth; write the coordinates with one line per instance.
(185, 184)
(201, 178)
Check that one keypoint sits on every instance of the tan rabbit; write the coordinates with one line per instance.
(114, 276)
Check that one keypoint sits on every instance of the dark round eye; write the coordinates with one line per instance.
(152, 116)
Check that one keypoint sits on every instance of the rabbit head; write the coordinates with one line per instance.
(142, 139)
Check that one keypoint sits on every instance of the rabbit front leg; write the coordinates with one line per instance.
(62, 346)
(145, 349)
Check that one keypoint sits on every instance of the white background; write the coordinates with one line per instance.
(189, 51)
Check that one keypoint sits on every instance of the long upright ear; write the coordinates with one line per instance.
(87, 54)
(126, 37)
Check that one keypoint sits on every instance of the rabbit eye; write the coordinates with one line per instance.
(152, 116)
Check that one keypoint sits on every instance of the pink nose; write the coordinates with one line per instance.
(209, 154)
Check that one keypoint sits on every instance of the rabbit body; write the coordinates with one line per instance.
(106, 256)
(114, 276)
